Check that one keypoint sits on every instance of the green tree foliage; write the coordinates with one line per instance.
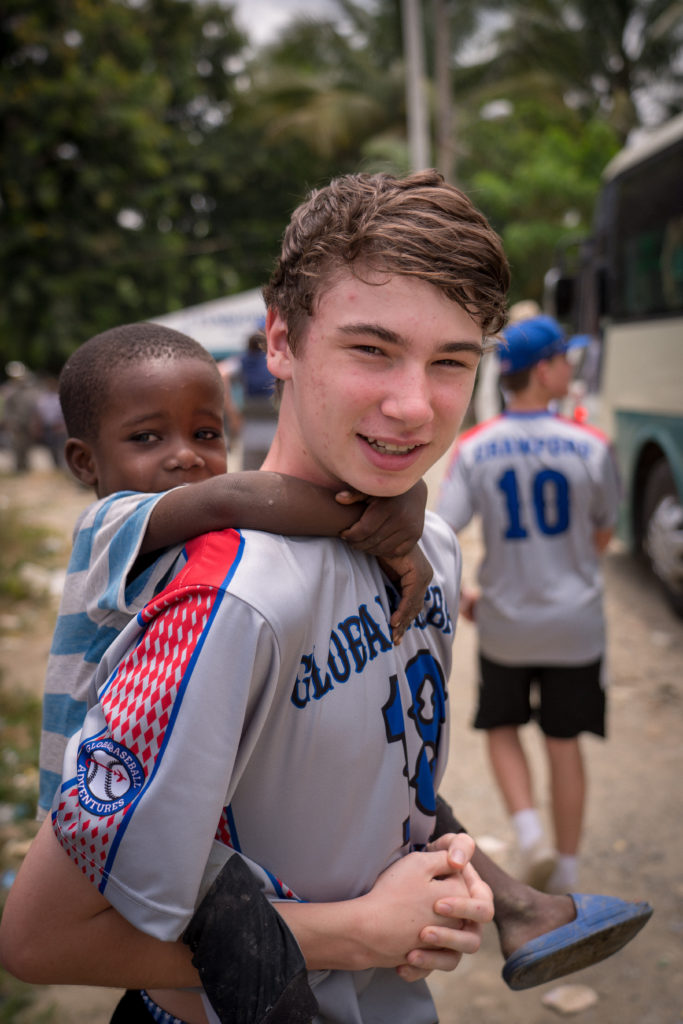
(574, 78)
(106, 109)
(150, 159)
(621, 59)
(535, 172)
(339, 93)
(538, 183)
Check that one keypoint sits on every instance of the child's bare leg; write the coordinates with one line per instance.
(543, 936)
(521, 913)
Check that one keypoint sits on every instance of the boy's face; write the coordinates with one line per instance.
(379, 386)
(162, 426)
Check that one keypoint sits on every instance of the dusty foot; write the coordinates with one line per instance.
(532, 914)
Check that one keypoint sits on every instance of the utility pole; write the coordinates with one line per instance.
(416, 99)
(445, 122)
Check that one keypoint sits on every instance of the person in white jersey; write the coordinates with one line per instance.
(546, 491)
(257, 712)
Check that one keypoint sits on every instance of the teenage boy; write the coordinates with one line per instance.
(547, 493)
(143, 404)
(289, 726)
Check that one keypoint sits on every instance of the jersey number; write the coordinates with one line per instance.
(550, 499)
(428, 714)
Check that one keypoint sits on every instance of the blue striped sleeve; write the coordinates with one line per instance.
(49, 783)
(78, 634)
(82, 549)
(123, 549)
(63, 714)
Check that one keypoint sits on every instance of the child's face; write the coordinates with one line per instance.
(162, 426)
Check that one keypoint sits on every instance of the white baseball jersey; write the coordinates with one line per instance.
(541, 485)
(100, 597)
(258, 706)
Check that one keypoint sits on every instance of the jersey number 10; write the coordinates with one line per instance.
(550, 501)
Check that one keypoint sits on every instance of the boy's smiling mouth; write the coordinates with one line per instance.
(389, 447)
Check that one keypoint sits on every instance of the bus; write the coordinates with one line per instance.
(623, 287)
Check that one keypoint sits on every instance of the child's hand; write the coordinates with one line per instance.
(389, 526)
(413, 573)
(389, 529)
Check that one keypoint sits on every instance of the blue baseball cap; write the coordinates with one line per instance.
(529, 341)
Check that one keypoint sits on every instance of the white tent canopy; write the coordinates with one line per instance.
(223, 325)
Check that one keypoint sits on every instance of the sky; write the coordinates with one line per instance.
(262, 18)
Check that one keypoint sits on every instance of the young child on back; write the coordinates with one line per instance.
(546, 491)
(143, 408)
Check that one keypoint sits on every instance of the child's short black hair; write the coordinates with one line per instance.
(85, 378)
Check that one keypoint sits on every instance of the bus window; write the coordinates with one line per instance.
(647, 240)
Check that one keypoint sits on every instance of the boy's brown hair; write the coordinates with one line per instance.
(418, 226)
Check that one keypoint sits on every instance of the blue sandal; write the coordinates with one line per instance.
(603, 924)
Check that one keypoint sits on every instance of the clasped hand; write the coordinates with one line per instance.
(428, 908)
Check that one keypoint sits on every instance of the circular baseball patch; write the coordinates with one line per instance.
(109, 776)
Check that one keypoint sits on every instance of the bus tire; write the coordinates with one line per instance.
(663, 532)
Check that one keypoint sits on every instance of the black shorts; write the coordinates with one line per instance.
(565, 699)
(137, 1008)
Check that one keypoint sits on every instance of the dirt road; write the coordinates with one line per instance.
(634, 836)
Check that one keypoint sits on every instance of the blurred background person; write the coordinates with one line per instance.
(259, 410)
(488, 399)
(547, 492)
(19, 413)
(50, 422)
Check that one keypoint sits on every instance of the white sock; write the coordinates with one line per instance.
(565, 877)
(527, 825)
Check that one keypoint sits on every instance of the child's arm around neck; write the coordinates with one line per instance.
(259, 500)
(253, 500)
